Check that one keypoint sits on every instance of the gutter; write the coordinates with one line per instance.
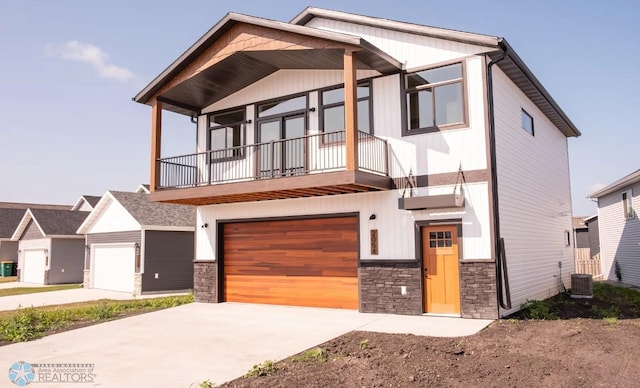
(502, 277)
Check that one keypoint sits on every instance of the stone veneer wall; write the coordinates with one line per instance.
(380, 287)
(478, 289)
(205, 281)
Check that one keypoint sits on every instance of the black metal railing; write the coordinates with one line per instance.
(317, 153)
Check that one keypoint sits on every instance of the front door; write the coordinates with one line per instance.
(440, 264)
(284, 150)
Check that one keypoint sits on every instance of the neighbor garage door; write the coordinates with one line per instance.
(302, 262)
(33, 266)
(113, 267)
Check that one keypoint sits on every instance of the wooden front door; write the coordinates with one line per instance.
(440, 265)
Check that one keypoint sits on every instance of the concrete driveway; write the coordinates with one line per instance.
(189, 344)
(66, 296)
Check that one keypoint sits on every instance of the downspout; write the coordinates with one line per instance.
(502, 279)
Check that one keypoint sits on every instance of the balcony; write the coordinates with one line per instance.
(312, 165)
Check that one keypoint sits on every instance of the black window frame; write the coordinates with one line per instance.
(406, 91)
(525, 115)
(322, 106)
(238, 153)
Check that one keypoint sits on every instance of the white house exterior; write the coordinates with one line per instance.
(446, 144)
(619, 228)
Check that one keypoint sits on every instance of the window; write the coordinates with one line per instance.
(226, 134)
(332, 109)
(440, 239)
(527, 122)
(627, 204)
(435, 98)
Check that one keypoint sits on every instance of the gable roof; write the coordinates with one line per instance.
(512, 64)
(25, 206)
(9, 221)
(91, 200)
(143, 188)
(620, 184)
(147, 213)
(51, 222)
(578, 222)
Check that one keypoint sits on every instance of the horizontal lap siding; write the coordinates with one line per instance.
(130, 237)
(31, 232)
(170, 255)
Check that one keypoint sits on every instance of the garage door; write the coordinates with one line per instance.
(308, 262)
(33, 266)
(113, 267)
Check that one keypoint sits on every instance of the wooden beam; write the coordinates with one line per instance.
(351, 109)
(156, 143)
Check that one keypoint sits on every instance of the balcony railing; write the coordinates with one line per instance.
(311, 154)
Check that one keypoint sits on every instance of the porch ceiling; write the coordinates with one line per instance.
(244, 68)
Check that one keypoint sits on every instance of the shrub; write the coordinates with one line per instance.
(312, 355)
(266, 368)
(536, 309)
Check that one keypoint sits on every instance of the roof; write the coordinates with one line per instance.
(578, 222)
(512, 64)
(9, 221)
(143, 188)
(25, 206)
(147, 213)
(620, 184)
(92, 200)
(51, 222)
(591, 219)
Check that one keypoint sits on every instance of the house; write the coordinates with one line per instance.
(49, 250)
(138, 246)
(10, 215)
(354, 162)
(86, 203)
(619, 228)
(594, 234)
(587, 246)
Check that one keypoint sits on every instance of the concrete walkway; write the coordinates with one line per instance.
(185, 345)
(67, 296)
(20, 284)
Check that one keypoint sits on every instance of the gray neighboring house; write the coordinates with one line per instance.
(594, 234)
(138, 246)
(9, 220)
(49, 250)
(86, 203)
(619, 228)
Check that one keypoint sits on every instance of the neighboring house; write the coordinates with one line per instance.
(86, 203)
(49, 250)
(594, 234)
(138, 246)
(580, 233)
(619, 228)
(362, 163)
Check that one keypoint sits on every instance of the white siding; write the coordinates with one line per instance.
(619, 236)
(395, 227)
(534, 195)
(114, 218)
(410, 49)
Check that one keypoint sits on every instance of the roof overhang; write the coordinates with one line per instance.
(620, 184)
(22, 226)
(169, 228)
(244, 67)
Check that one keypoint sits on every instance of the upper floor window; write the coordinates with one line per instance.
(332, 108)
(435, 98)
(226, 134)
(627, 204)
(527, 122)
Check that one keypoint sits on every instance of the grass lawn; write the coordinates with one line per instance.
(33, 290)
(8, 279)
(35, 322)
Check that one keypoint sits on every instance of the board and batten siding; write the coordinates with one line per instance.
(396, 228)
(620, 236)
(66, 260)
(534, 197)
(411, 49)
(130, 237)
(169, 256)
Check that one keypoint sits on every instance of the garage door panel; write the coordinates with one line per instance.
(34, 264)
(336, 292)
(113, 268)
(292, 262)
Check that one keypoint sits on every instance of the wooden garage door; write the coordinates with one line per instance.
(307, 262)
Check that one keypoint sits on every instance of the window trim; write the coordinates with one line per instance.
(321, 106)
(627, 205)
(243, 135)
(524, 113)
(406, 131)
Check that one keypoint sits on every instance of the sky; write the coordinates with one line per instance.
(68, 71)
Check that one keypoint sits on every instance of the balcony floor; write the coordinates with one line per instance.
(312, 185)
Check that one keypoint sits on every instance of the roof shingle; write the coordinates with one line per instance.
(149, 213)
(59, 222)
(9, 221)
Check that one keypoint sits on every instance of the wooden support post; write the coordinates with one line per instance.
(156, 143)
(351, 110)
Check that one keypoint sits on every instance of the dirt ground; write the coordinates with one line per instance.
(509, 353)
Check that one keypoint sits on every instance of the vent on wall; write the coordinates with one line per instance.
(581, 285)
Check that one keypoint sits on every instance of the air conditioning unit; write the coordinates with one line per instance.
(581, 285)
